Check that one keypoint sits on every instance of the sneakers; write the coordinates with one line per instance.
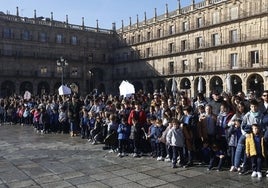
(136, 155)
(120, 155)
(159, 159)
(254, 174)
(233, 169)
(259, 174)
(174, 166)
(167, 160)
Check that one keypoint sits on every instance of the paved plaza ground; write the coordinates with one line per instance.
(28, 159)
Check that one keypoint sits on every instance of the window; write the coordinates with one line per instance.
(185, 65)
(185, 26)
(74, 40)
(125, 56)
(59, 39)
(171, 67)
(216, 18)
(148, 52)
(234, 63)
(171, 30)
(234, 13)
(215, 39)
(170, 47)
(125, 71)
(198, 42)
(139, 38)
(42, 37)
(233, 36)
(148, 35)
(43, 70)
(25, 35)
(59, 70)
(254, 57)
(183, 45)
(7, 33)
(199, 63)
(199, 22)
(74, 71)
(117, 71)
(132, 40)
(159, 33)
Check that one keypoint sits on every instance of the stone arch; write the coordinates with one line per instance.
(149, 87)
(138, 86)
(43, 88)
(255, 84)
(216, 84)
(26, 86)
(7, 88)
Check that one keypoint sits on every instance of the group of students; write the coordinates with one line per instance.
(223, 130)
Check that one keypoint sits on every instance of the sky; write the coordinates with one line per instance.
(105, 11)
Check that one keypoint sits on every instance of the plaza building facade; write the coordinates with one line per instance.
(217, 45)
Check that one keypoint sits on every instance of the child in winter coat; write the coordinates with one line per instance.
(123, 136)
(233, 134)
(175, 140)
(255, 149)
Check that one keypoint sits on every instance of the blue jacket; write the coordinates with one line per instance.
(123, 131)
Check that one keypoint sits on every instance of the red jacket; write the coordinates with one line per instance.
(141, 117)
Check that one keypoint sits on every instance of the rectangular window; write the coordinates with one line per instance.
(125, 71)
(233, 36)
(74, 71)
(171, 30)
(117, 71)
(254, 57)
(234, 13)
(185, 65)
(171, 67)
(42, 37)
(215, 39)
(183, 45)
(148, 35)
(139, 38)
(7, 33)
(159, 33)
(170, 47)
(43, 70)
(185, 26)
(199, 22)
(58, 70)
(59, 39)
(234, 63)
(125, 56)
(148, 52)
(199, 63)
(198, 42)
(132, 40)
(216, 18)
(74, 40)
(25, 35)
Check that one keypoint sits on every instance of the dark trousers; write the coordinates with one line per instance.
(160, 149)
(256, 162)
(215, 161)
(122, 145)
(137, 145)
(177, 151)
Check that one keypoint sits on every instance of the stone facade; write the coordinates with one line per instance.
(212, 45)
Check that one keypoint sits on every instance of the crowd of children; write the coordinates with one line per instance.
(221, 131)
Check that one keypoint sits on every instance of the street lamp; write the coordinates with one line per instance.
(62, 63)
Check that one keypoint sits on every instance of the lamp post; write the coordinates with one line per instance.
(62, 63)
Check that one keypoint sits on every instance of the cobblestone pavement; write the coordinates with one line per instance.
(28, 159)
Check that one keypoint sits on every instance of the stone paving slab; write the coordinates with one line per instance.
(28, 159)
